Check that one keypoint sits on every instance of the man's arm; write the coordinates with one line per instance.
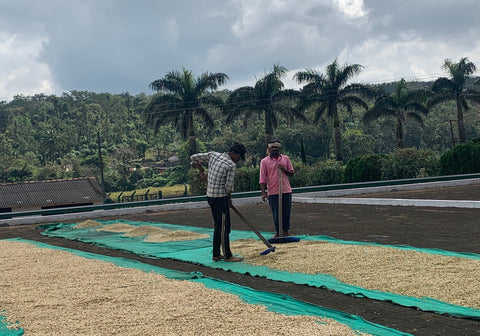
(201, 171)
(263, 188)
(263, 181)
(197, 160)
(230, 179)
(288, 168)
(286, 171)
(229, 183)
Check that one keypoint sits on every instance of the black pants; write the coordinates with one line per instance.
(220, 207)
(286, 210)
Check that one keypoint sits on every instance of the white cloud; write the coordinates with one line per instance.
(20, 70)
(412, 59)
(351, 8)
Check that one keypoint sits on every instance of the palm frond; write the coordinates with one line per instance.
(205, 116)
(347, 101)
(438, 99)
(210, 81)
(361, 89)
(211, 101)
(320, 111)
(308, 76)
(416, 107)
(443, 84)
(416, 117)
(170, 83)
(378, 112)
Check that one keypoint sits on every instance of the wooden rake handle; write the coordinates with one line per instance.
(250, 225)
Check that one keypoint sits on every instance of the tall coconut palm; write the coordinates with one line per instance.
(401, 105)
(453, 88)
(181, 98)
(326, 92)
(267, 98)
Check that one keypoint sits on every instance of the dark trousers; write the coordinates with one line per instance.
(286, 210)
(220, 207)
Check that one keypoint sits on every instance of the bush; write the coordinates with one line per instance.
(363, 169)
(48, 172)
(402, 164)
(462, 159)
(321, 173)
(409, 163)
(155, 182)
(17, 174)
(246, 179)
(112, 183)
(327, 172)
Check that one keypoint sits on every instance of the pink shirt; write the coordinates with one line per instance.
(269, 174)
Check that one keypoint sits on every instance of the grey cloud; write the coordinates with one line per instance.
(429, 18)
(118, 46)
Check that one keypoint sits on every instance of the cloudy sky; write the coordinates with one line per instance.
(55, 46)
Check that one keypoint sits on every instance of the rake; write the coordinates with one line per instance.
(271, 248)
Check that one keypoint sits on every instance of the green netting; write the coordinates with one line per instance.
(8, 329)
(199, 251)
(282, 304)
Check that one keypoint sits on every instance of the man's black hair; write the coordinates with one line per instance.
(239, 149)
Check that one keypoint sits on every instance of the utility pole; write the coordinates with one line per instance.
(102, 181)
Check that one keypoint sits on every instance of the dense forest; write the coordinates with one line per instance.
(144, 140)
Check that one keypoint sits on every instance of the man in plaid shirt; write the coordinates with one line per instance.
(221, 175)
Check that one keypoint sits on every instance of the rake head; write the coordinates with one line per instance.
(267, 251)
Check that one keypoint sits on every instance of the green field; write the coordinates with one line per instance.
(170, 191)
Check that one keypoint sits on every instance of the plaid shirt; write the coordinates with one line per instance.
(221, 172)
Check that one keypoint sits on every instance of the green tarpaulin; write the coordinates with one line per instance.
(199, 251)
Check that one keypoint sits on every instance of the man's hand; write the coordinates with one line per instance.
(201, 171)
(285, 170)
(263, 189)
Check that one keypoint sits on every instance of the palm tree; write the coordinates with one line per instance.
(181, 97)
(267, 97)
(325, 92)
(401, 105)
(454, 89)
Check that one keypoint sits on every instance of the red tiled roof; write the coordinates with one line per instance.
(50, 193)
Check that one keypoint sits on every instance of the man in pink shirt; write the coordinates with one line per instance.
(273, 167)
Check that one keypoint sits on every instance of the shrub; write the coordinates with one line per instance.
(48, 172)
(321, 173)
(157, 181)
(246, 179)
(363, 169)
(462, 159)
(409, 163)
